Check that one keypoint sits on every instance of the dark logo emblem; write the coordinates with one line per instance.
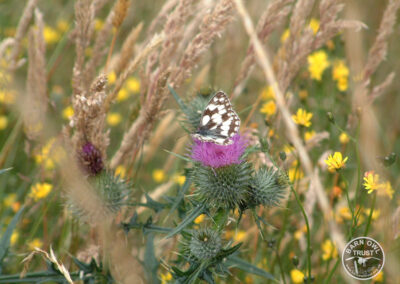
(363, 258)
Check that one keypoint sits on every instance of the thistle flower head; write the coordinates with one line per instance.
(223, 187)
(213, 155)
(112, 190)
(267, 188)
(204, 244)
(91, 158)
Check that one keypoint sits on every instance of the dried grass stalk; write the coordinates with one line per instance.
(89, 117)
(272, 18)
(162, 15)
(36, 96)
(213, 25)
(50, 257)
(173, 30)
(22, 29)
(121, 9)
(127, 50)
(377, 52)
(84, 14)
(100, 47)
(133, 65)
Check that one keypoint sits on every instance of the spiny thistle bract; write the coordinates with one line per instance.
(194, 110)
(205, 244)
(224, 187)
(112, 190)
(267, 188)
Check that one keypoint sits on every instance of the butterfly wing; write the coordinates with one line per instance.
(219, 122)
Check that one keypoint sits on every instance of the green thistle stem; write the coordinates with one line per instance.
(280, 265)
(304, 215)
(371, 211)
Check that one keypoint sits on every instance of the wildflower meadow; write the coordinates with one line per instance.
(208, 141)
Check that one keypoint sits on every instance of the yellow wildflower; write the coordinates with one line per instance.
(386, 189)
(3, 122)
(340, 70)
(62, 26)
(314, 25)
(297, 276)
(344, 138)
(50, 35)
(112, 77)
(35, 243)
(199, 219)
(344, 213)
(46, 155)
(240, 236)
(40, 190)
(68, 112)
(113, 118)
(123, 94)
(7, 96)
(267, 93)
(180, 179)
(9, 200)
(98, 24)
(342, 84)
(271, 133)
(269, 108)
(158, 175)
(248, 279)
(120, 171)
(49, 154)
(371, 181)
(375, 213)
(295, 174)
(133, 85)
(285, 35)
(329, 250)
(14, 238)
(336, 162)
(302, 117)
(317, 63)
(340, 74)
(378, 277)
(165, 277)
(300, 232)
(309, 135)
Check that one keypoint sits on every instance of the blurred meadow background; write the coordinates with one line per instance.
(98, 99)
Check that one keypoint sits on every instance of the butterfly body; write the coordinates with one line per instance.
(218, 122)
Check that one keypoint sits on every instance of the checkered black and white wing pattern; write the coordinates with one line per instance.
(219, 122)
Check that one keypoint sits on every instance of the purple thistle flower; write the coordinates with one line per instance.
(91, 158)
(213, 155)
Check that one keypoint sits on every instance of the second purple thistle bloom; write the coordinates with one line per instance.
(213, 155)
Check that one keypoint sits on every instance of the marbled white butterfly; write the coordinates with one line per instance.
(219, 122)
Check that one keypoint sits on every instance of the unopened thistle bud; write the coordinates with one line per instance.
(267, 188)
(205, 244)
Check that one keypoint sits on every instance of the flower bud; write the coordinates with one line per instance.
(205, 244)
